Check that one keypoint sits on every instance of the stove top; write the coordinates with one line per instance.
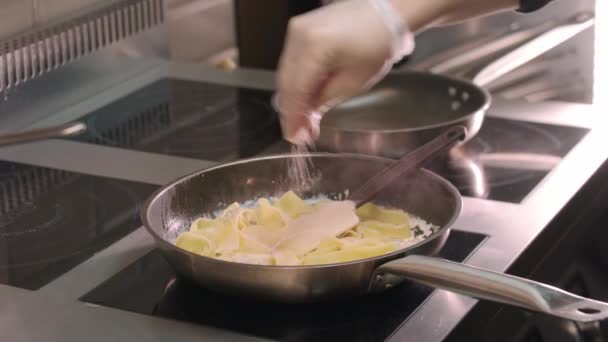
(508, 158)
(188, 119)
(504, 162)
(52, 220)
(149, 286)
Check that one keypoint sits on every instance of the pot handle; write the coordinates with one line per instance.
(456, 59)
(60, 131)
(488, 285)
(533, 48)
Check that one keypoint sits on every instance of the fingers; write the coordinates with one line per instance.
(301, 74)
(328, 57)
(302, 129)
(341, 86)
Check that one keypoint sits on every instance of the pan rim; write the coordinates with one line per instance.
(487, 101)
(155, 195)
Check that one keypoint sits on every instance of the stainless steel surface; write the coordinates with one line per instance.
(453, 60)
(535, 47)
(173, 207)
(57, 305)
(512, 48)
(407, 109)
(580, 48)
(407, 164)
(42, 50)
(190, 20)
(488, 285)
(61, 131)
(104, 74)
(535, 82)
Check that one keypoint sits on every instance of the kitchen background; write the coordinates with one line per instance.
(204, 31)
(211, 24)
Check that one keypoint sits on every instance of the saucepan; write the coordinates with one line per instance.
(409, 108)
(172, 208)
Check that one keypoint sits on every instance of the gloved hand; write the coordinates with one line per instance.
(333, 53)
(346, 47)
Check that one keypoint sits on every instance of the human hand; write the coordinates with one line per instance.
(334, 53)
(344, 48)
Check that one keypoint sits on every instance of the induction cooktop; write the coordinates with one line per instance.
(187, 119)
(504, 162)
(150, 286)
(52, 220)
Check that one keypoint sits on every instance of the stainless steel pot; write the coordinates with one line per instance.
(407, 109)
(173, 207)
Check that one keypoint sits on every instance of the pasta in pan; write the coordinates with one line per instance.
(289, 231)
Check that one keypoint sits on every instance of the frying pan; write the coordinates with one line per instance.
(171, 209)
(407, 109)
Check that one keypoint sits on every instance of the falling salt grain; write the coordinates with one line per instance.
(299, 167)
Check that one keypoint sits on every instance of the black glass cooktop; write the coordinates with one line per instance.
(149, 286)
(508, 158)
(52, 220)
(504, 162)
(188, 119)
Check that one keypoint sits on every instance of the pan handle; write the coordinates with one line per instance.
(488, 285)
(60, 131)
(461, 57)
(533, 48)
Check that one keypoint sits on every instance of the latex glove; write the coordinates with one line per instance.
(333, 53)
(344, 48)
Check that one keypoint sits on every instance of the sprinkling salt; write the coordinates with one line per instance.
(300, 167)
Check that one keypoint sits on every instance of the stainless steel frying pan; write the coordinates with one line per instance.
(407, 109)
(172, 208)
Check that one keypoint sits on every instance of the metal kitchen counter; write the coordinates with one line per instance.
(54, 312)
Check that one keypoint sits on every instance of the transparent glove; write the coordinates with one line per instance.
(331, 54)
